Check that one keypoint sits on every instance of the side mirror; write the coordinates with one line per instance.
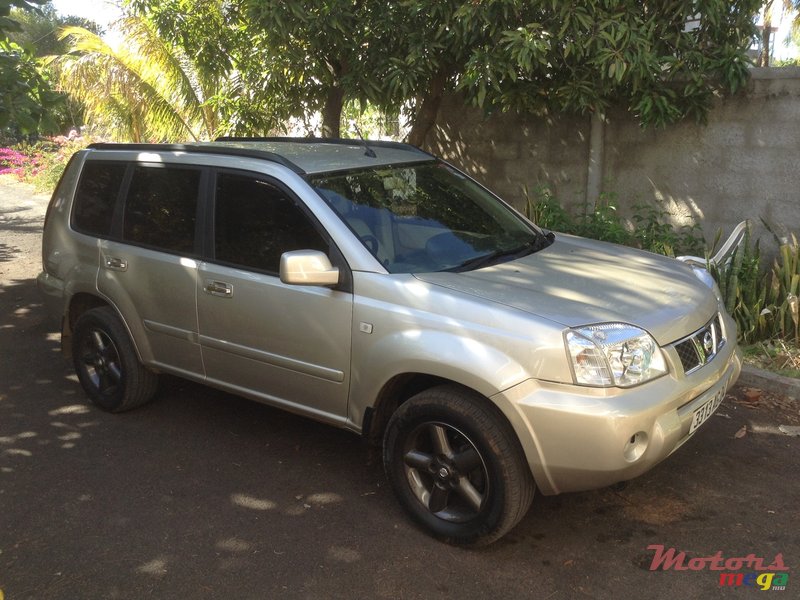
(308, 267)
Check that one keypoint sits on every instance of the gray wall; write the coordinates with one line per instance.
(742, 164)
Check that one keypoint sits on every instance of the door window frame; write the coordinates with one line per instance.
(118, 222)
(208, 242)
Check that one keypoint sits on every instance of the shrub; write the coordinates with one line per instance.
(654, 232)
(651, 229)
(545, 210)
(784, 290)
(764, 303)
(743, 287)
(603, 222)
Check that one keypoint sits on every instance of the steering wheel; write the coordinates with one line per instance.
(371, 242)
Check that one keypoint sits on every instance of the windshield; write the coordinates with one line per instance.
(427, 217)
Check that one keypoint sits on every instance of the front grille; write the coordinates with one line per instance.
(701, 347)
(688, 355)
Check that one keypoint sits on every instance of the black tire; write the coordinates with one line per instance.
(457, 467)
(106, 362)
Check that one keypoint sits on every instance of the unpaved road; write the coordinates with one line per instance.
(21, 217)
(204, 495)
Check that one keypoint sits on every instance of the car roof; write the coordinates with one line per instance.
(306, 156)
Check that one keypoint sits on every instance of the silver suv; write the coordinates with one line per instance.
(376, 288)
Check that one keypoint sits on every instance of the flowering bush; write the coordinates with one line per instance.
(12, 161)
(42, 163)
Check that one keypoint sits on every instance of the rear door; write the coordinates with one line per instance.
(149, 268)
(283, 344)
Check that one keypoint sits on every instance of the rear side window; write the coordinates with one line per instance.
(161, 208)
(255, 222)
(96, 196)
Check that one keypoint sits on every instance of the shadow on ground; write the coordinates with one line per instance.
(19, 223)
(7, 252)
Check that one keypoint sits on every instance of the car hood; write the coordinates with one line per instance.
(576, 282)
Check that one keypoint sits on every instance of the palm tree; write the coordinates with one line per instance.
(772, 13)
(795, 4)
(144, 89)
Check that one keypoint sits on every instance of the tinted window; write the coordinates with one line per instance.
(256, 222)
(161, 208)
(96, 196)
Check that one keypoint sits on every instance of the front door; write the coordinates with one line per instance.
(284, 344)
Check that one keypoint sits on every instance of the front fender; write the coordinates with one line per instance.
(463, 360)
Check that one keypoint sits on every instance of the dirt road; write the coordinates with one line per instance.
(21, 217)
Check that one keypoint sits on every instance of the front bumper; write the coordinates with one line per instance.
(578, 438)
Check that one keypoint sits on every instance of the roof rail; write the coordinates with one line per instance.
(319, 140)
(201, 149)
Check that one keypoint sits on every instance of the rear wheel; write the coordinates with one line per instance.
(457, 467)
(106, 362)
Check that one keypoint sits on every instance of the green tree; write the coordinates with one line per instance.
(26, 98)
(27, 101)
(38, 31)
(257, 62)
(38, 36)
(537, 56)
(317, 53)
(232, 70)
(794, 5)
(663, 61)
(772, 14)
(322, 54)
(7, 22)
(144, 90)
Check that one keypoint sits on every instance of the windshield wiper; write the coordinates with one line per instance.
(476, 262)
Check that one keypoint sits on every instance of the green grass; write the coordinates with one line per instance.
(775, 356)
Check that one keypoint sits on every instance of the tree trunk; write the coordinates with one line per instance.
(763, 57)
(425, 118)
(332, 112)
(594, 176)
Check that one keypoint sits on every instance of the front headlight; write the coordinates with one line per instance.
(614, 354)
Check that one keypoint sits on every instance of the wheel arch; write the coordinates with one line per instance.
(106, 360)
(80, 303)
(394, 392)
(404, 386)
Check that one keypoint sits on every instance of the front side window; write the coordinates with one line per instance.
(96, 197)
(161, 208)
(427, 217)
(255, 222)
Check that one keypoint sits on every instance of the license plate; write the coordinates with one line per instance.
(708, 408)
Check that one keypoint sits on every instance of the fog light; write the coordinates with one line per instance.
(635, 446)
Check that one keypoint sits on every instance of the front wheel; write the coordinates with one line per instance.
(106, 362)
(457, 466)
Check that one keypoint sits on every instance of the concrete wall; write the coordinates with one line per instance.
(745, 163)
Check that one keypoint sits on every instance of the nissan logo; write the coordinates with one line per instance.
(708, 343)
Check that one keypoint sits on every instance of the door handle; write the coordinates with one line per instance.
(117, 264)
(218, 288)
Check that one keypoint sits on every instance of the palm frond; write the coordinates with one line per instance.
(142, 91)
